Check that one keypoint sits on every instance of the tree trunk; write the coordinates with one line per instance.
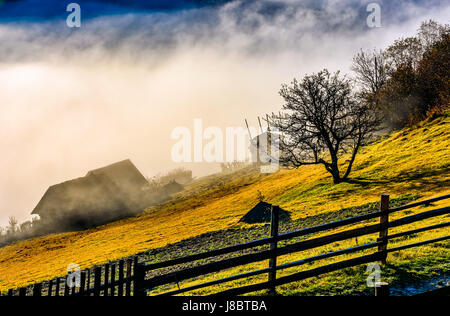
(352, 160)
(335, 172)
(336, 179)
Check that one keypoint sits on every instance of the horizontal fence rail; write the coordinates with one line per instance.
(129, 277)
(379, 255)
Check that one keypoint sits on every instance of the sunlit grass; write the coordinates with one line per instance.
(408, 162)
(413, 263)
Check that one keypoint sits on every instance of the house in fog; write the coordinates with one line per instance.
(103, 195)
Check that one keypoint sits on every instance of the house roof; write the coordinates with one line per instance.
(89, 193)
(122, 173)
(105, 189)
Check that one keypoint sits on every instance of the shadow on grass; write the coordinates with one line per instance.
(431, 179)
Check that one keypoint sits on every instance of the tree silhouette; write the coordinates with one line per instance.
(321, 121)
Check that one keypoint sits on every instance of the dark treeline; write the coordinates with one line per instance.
(409, 81)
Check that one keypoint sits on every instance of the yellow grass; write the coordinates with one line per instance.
(407, 162)
(409, 255)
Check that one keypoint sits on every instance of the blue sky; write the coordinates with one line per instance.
(26, 10)
(52, 9)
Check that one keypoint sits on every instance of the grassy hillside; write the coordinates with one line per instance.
(407, 163)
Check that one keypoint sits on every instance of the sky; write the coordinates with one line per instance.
(75, 99)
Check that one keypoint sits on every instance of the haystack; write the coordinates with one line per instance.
(261, 213)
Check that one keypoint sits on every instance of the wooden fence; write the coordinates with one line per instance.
(112, 279)
(130, 277)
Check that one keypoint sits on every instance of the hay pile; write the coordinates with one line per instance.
(261, 213)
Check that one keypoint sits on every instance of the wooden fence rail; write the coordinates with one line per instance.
(105, 280)
(129, 277)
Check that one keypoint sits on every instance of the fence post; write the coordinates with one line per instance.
(57, 287)
(88, 282)
(106, 292)
(97, 280)
(74, 289)
(113, 279)
(82, 283)
(50, 288)
(129, 263)
(23, 291)
(139, 276)
(273, 247)
(66, 287)
(120, 287)
(37, 289)
(382, 289)
(384, 221)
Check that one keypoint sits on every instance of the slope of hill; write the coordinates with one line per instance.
(407, 163)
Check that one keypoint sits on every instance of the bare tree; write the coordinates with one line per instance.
(371, 69)
(321, 121)
(431, 32)
(403, 52)
(12, 228)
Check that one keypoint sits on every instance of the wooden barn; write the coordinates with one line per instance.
(104, 194)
